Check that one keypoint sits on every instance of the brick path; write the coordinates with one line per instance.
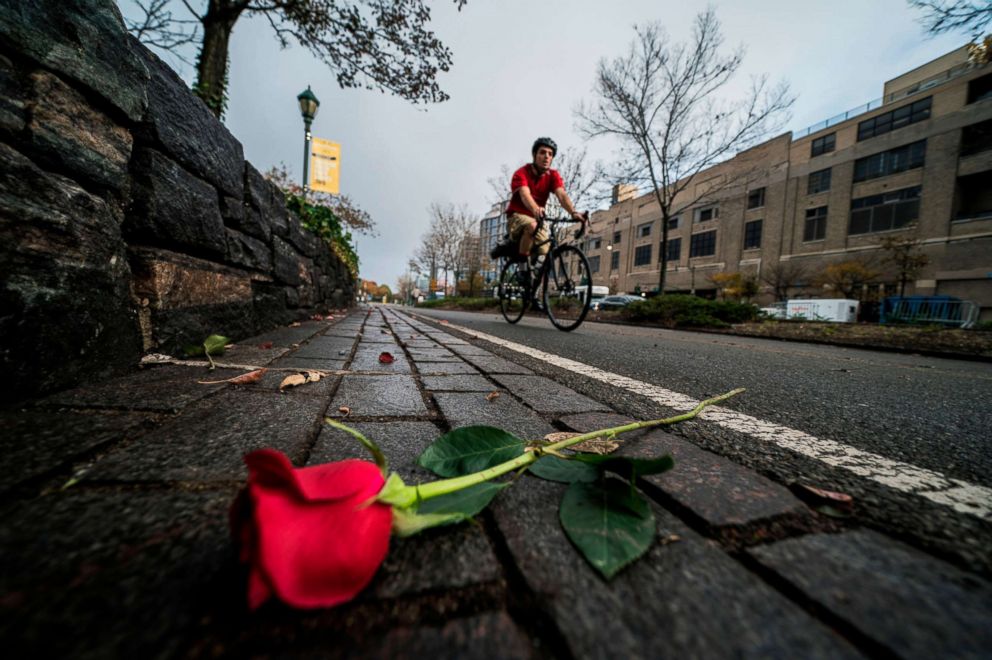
(114, 538)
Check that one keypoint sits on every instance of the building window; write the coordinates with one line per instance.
(816, 224)
(642, 255)
(819, 181)
(974, 196)
(883, 212)
(900, 159)
(980, 89)
(616, 237)
(614, 260)
(674, 250)
(702, 244)
(890, 121)
(673, 223)
(756, 198)
(752, 235)
(594, 264)
(644, 230)
(822, 145)
(976, 138)
(707, 213)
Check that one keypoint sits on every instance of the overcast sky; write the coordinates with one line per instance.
(520, 67)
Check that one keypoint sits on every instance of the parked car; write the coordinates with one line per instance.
(614, 302)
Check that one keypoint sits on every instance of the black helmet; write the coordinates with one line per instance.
(544, 142)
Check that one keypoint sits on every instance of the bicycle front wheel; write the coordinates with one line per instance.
(567, 287)
(513, 296)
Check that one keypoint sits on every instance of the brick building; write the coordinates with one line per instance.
(915, 163)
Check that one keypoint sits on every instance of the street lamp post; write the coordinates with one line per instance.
(308, 108)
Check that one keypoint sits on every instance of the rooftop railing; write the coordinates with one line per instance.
(939, 79)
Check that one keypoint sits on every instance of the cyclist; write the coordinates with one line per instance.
(530, 187)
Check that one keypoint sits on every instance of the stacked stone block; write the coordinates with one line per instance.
(129, 219)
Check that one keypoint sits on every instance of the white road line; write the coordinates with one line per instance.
(960, 495)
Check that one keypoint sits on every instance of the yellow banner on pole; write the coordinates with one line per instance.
(325, 166)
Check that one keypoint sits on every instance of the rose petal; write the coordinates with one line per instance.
(319, 554)
(386, 357)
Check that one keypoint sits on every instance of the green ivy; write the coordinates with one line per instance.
(327, 226)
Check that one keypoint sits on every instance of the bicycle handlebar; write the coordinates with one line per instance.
(565, 220)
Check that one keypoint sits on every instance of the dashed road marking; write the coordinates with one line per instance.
(961, 496)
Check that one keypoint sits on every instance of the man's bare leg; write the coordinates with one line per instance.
(527, 238)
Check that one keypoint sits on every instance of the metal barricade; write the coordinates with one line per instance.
(922, 310)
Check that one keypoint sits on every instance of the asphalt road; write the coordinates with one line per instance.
(930, 413)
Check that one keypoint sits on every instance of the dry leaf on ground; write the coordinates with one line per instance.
(295, 380)
(316, 317)
(243, 379)
(386, 357)
(600, 446)
(671, 538)
(344, 410)
(841, 502)
(444, 321)
(266, 345)
(294, 324)
(492, 395)
(154, 358)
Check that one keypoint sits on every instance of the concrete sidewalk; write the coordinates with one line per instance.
(115, 543)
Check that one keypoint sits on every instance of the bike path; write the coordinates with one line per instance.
(115, 540)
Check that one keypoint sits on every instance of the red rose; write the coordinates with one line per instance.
(311, 536)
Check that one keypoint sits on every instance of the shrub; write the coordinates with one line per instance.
(460, 303)
(689, 311)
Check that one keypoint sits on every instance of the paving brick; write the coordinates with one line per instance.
(733, 502)
(112, 574)
(546, 396)
(367, 359)
(473, 409)
(250, 354)
(401, 442)
(166, 388)
(380, 396)
(343, 332)
(419, 343)
(328, 348)
(471, 637)
(432, 355)
(286, 337)
(307, 363)
(461, 383)
(471, 349)
(912, 604)
(445, 368)
(377, 336)
(207, 442)
(34, 442)
(683, 599)
(445, 339)
(497, 365)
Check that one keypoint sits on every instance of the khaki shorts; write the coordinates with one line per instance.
(517, 222)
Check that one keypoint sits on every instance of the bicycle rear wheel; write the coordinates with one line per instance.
(513, 296)
(566, 288)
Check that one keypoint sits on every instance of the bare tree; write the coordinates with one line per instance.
(659, 100)
(905, 253)
(783, 277)
(404, 287)
(375, 44)
(160, 29)
(427, 256)
(940, 16)
(451, 225)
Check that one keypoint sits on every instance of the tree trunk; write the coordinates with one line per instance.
(211, 65)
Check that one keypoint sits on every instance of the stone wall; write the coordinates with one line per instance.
(129, 219)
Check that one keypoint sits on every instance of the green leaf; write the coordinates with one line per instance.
(629, 468)
(470, 449)
(192, 351)
(214, 344)
(566, 471)
(468, 501)
(609, 522)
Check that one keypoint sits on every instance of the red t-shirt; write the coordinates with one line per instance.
(540, 188)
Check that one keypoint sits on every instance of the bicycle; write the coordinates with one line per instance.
(564, 278)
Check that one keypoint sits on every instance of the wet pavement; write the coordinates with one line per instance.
(115, 542)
